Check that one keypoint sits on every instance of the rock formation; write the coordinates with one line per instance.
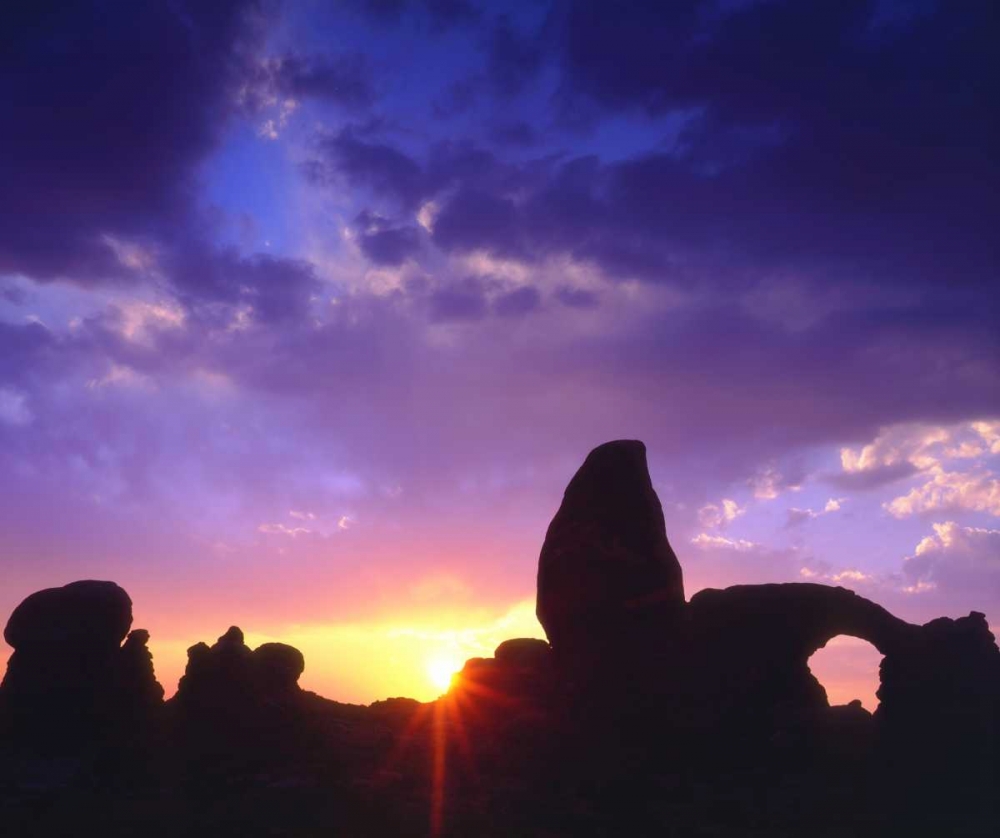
(607, 576)
(228, 681)
(747, 648)
(519, 677)
(646, 715)
(69, 679)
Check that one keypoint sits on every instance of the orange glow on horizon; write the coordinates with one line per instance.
(362, 662)
(441, 669)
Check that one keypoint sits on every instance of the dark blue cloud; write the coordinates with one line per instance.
(518, 302)
(459, 301)
(440, 14)
(514, 57)
(341, 79)
(113, 109)
(384, 243)
(378, 166)
(576, 297)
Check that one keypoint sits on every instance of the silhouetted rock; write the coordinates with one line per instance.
(607, 575)
(276, 668)
(82, 615)
(519, 673)
(646, 716)
(940, 691)
(527, 653)
(69, 679)
(228, 685)
(748, 648)
(138, 680)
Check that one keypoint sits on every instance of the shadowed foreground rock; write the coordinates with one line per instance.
(647, 715)
(69, 679)
(607, 576)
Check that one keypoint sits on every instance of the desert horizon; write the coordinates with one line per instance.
(328, 335)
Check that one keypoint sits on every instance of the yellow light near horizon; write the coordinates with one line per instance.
(440, 670)
(361, 662)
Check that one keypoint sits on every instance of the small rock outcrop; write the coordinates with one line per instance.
(70, 679)
(276, 670)
(607, 576)
(520, 672)
(227, 679)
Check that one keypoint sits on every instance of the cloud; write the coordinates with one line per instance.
(514, 57)
(342, 79)
(746, 139)
(267, 289)
(918, 445)
(385, 244)
(930, 452)
(718, 516)
(516, 303)
(989, 432)
(949, 491)
(798, 516)
(576, 297)
(14, 408)
(768, 483)
(955, 559)
(281, 529)
(464, 300)
(706, 541)
(122, 162)
(441, 14)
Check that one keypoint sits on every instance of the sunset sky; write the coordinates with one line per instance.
(310, 310)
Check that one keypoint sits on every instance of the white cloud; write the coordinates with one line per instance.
(138, 319)
(768, 483)
(849, 575)
(717, 516)
(270, 129)
(281, 529)
(932, 453)
(427, 215)
(989, 432)
(131, 255)
(922, 446)
(949, 490)
(14, 408)
(705, 542)
(917, 445)
(121, 376)
(798, 516)
(955, 557)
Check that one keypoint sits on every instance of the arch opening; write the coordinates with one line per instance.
(848, 669)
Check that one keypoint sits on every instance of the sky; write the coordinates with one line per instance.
(310, 310)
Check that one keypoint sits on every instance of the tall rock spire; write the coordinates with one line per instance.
(606, 570)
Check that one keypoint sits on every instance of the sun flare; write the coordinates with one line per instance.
(441, 669)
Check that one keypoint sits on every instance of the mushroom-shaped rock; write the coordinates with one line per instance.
(607, 573)
(87, 615)
(69, 678)
(277, 667)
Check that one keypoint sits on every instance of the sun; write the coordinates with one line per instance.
(441, 669)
